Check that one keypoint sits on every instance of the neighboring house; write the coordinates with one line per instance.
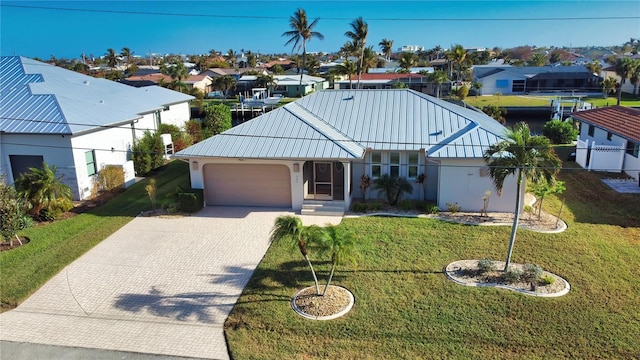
(318, 148)
(412, 81)
(609, 139)
(236, 73)
(76, 122)
(289, 85)
(201, 82)
(508, 79)
(285, 64)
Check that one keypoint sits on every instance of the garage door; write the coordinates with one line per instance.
(247, 185)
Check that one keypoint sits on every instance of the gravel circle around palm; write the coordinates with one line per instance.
(465, 272)
(335, 303)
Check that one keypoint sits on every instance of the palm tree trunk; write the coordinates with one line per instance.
(360, 69)
(333, 267)
(313, 272)
(304, 65)
(516, 218)
(620, 92)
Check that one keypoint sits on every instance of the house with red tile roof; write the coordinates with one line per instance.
(202, 81)
(609, 139)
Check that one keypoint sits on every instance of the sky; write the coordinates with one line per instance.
(66, 29)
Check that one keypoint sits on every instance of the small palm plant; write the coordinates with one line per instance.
(393, 187)
(341, 247)
(289, 228)
(43, 190)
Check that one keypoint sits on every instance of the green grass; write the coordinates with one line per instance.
(406, 309)
(532, 100)
(55, 245)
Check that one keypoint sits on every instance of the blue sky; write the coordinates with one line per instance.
(192, 27)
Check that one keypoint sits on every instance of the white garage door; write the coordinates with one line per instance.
(247, 185)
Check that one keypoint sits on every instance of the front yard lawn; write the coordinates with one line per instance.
(406, 309)
(543, 101)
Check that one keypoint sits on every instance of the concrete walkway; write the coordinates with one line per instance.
(157, 286)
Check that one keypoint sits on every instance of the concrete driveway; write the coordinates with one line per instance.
(156, 286)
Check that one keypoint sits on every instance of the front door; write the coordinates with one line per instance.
(323, 180)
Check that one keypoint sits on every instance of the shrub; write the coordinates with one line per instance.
(495, 112)
(217, 118)
(453, 208)
(406, 205)
(434, 209)
(181, 140)
(560, 132)
(188, 202)
(463, 91)
(110, 177)
(511, 276)
(375, 206)
(426, 206)
(486, 265)
(359, 207)
(547, 280)
(531, 273)
(147, 153)
(11, 211)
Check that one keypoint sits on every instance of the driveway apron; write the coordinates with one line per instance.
(160, 285)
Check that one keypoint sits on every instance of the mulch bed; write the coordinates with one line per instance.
(5, 246)
(334, 301)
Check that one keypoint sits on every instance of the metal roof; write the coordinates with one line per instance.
(341, 124)
(530, 71)
(38, 98)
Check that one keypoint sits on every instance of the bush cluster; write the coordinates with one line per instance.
(560, 132)
(453, 207)
(486, 265)
(148, 153)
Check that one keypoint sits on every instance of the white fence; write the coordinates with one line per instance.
(600, 157)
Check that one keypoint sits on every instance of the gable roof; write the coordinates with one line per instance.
(532, 71)
(285, 80)
(38, 98)
(342, 124)
(620, 120)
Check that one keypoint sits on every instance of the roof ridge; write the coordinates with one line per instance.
(318, 124)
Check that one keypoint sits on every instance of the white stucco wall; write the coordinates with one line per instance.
(489, 83)
(629, 163)
(632, 166)
(176, 115)
(461, 182)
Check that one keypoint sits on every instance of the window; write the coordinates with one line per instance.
(376, 164)
(502, 83)
(394, 164)
(518, 86)
(633, 148)
(609, 136)
(592, 129)
(412, 170)
(90, 159)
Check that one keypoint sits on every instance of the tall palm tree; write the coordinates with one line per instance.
(624, 69)
(528, 158)
(266, 81)
(458, 55)
(408, 60)
(358, 35)
(111, 57)
(634, 78)
(126, 53)
(347, 68)
(233, 57)
(289, 228)
(301, 32)
(370, 59)
(387, 48)
(594, 67)
(348, 49)
(224, 83)
(439, 77)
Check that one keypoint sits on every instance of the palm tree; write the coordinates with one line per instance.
(224, 83)
(528, 158)
(370, 59)
(266, 81)
(624, 69)
(289, 228)
(635, 75)
(301, 32)
(594, 67)
(609, 84)
(458, 55)
(387, 48)
(347, 68)
(407, 60)
(177, 71)
(358, 35)
(233, 57)
(341, 247)
(42, 189)
(126, 54)
(348, 49)
(111, 57)
(393, 187)
(537, 59)
(438, 77)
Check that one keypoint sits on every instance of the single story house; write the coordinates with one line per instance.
(609, 139)
(202, 82)
(417, 82)
(318, 147)
(507, 79)
(76, 122)
(289, 85)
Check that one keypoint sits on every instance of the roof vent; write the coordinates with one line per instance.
(101, 101)
(86, 82)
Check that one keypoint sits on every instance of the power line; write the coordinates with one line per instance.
(246, 16)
